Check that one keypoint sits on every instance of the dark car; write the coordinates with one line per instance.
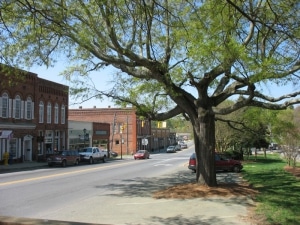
(112, 153)
(64, 158)
(222, 163)
(141, 154)
(183, 145)
(177, 148)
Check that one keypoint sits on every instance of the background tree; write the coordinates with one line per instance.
(245, 128)
(173, 57)
(286, 134)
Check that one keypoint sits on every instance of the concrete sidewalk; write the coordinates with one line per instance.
(22, 166)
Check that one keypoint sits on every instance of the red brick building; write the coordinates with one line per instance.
(33, 115)
(126, 128)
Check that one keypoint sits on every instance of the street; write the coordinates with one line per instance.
(116, 192)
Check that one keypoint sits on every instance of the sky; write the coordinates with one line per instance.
(101, 82)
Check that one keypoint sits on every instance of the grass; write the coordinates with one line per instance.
(279, 191)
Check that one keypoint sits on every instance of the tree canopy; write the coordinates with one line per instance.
(171, 57)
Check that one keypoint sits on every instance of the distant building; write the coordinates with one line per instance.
(122, 123)
(128, 133)
(33, 115)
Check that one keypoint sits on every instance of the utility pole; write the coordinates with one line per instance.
(112, 135)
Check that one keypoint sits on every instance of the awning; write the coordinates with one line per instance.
(7, 134)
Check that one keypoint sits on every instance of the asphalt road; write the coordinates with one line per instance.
(117, 192)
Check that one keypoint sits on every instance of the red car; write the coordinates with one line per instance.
(141, 154)
(222, 163)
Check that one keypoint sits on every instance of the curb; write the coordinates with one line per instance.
(6, 220)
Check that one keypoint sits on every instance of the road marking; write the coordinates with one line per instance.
(60, 174)
(162, 164)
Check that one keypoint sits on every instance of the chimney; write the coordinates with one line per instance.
(94, 107)
(80, 107)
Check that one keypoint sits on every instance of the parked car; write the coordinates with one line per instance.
(141, 154)
(171, 149)
(177, 148)
(64, 158)
(92, 154)
(112, 153)
(183, 145)
(222, 163)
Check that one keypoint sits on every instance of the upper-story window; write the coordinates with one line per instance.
(41, 112)
(49, 108)
(29, 109)
(17, 107)
(56, 113)
(4, 106)
(63, 114)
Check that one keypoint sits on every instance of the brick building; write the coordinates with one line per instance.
(122, 122)
(33, 115)
(128, 133)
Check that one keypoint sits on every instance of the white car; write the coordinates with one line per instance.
(92, 154)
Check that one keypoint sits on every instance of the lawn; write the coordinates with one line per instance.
(279, 191)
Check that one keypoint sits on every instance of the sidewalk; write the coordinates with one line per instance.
(22, 166)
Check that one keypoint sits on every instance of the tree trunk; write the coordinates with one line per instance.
(204, 137)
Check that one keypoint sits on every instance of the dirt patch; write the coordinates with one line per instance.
(295, 171)
(194, 190)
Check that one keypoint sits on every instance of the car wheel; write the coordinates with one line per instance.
(236, 169)
(64, 163)
(77, 162)
(50, 165)
(104, 159)
(91, 160)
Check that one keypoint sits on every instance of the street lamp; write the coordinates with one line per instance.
(84, 135)
(121, 131)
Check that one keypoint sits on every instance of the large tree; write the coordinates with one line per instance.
(172, 56)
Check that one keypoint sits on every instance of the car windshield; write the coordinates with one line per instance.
(141, 151)
(86, 150)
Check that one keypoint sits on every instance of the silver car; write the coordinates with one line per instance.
(171, 149)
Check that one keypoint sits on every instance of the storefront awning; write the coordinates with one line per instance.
(7, 134)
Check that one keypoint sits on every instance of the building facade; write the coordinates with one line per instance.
(33, 115)
(122, 124)
(128, 133)
(84, 134)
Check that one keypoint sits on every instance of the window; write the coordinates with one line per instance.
(29, 109)
(41, 112)
(49, 112)
(56, 113)
(17, 107)
(63, 114)
(4, 105)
